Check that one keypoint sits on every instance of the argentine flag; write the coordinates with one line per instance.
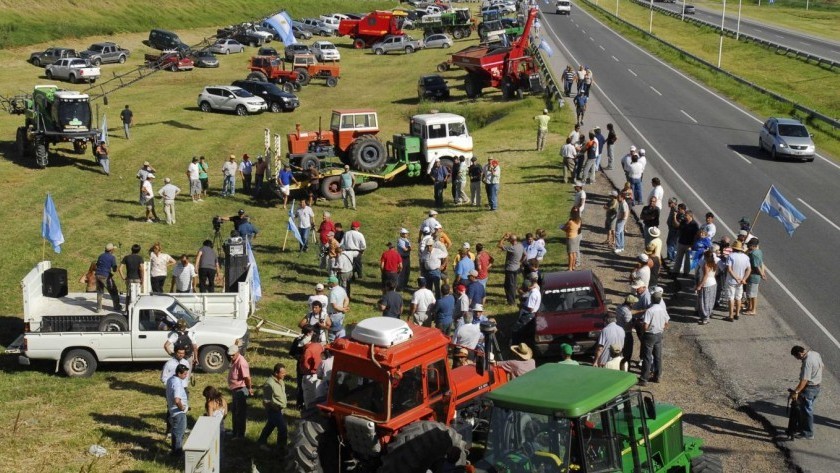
(776, 206)
(545, 47)
(282, 24)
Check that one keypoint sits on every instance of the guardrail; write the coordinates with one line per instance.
(812, 114)
(803, 55)
(553, 91)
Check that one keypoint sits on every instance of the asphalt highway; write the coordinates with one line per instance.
(792, 39)
(704, 147)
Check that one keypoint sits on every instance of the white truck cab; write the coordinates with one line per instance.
(443, 136)
(564, 7)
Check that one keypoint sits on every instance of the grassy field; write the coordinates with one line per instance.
(48, 421)
(820, 19)
(806, 84)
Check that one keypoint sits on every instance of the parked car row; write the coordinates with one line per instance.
(95, 54)
(245, 97)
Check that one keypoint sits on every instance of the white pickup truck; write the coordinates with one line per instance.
(73, 69)
(70, 331)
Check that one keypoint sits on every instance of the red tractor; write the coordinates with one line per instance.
(509, 68)
(351, 137)
(371, 28)
(395, 403)
(273, 69)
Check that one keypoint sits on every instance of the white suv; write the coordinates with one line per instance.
(325, 51)
(230, 98)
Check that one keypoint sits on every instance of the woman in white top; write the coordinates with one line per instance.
(159, 263)
(706, 287)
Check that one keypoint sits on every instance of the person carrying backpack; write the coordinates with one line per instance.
(182, 338)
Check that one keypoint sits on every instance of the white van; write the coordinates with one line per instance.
(564, 7)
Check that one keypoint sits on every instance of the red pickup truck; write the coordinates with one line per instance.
(572, 312)
(171, 61)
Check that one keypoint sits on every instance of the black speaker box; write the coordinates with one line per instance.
(54, 282)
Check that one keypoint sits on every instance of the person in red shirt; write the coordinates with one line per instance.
(239, 382)
(327, 226)
(309, 363)
(390, 264)
(483, 262)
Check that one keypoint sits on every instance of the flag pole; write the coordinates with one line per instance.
(287, 229)
(752, 225)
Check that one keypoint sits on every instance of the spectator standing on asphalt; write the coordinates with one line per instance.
(159, 263)
(592, 151)
(706, 288)
(654, 261)
(806, 392)
(611, 335)
(568, 79)
(542, 128)
(178, 404)
(274, 401)
(579, 76)
(239, 383)
(573, 236)
(580, 107)
(207, 262)
(626, 320)
(579, 197)
(621, 216)
(440, 176)
(757, 274)
(588, 81)
(675, 218)
(611, 140)
(134, 270)
(475, 173)
(127, 118)
(259, 175)
(641, 271)
(709, 227)
(106, 264)
(634, 175)
(656, 190)
(492, 180)
(602, 146)
(229, 170)
(246, 170)
(193, 172)
(568, 153)
(649, 217)
(514, 254)
(688, 233)
(654, 324)
(305, 217)
(168, 193)
(737, 275)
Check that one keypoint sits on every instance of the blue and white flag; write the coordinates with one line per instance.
(282, 24)
(103, 134)
(776, 206)
(545, 47)
(50, 226)
(256, 286)
(292, 227)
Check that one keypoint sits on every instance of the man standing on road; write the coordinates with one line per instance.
(239, 382)
(688, 232)
(675, 218)
(602, 143)
(127, 117)
(611, 139)
(178, 404)
(348, 182)
(568, 79)
(591, 152)
(134, 270)
(805, 393)
(757, 274)
(106, 264)
(580, 107)
(654, 324)
(168, 193)
(514, 254)
(274, 401)
(568, 152)
(737, 274)
(207, 262)
(542, 128)
(193, 172)
(621, 216)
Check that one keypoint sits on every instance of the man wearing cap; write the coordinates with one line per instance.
(579, 197)
(492, 180)
(441, 176)
(625, 320)
(404, 250)
(464, 266)
(390, 265)
(306, 218)
(566, 352)
(347, 181)
(148, 199)
(521, 364)
(239, 383)
(178, 405)
(627, 159)
(654, 324)
(635, 170)
(542, 128)
(354, 246)
(429, 223)
(247, 229)
(229, 170)
(432, 258)
(737, 275)
(421, 301)
(106, 264)
(144, 171)
(808, 389)
(168, 193)
(324, 230)
(616, 359)
(514, 256)
(285, 178)
(195, 183)
(391, 303)
(611, 335)
(318, 296)
(476, 173)
(246, 169)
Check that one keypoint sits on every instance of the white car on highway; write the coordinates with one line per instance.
(786, 137)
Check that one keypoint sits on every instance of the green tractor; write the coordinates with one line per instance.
(53, 116)
(565, 418)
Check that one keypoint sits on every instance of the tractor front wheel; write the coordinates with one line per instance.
(332, 81)
(22, 142)
(257, 76)
(331, 187)
(41, 153)
(420, 447)
(315, 447)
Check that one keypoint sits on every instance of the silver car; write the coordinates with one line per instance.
(785, 137)
(226, 46)
(441, 40)
(230, 98)
(397, 43)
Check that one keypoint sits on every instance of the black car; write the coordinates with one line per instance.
(296, 48)
(204, 58)
(433, 87)
(277, 99)
(267, 51)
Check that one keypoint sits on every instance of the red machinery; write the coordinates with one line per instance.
(351, 137)
(371, 28)
(509, 68)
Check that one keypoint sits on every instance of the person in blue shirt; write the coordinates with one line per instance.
(440, 175)
(464, 267)
(247, 229)
(444, 310)
(285, 178)
(106, 264)
(476, 292)
(178, 405)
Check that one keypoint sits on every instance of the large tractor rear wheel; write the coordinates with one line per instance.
(368, 154)
(257, 76)
(420, 447)
(472, 86)
(303, 76)
(314, 448)
(706, 464)
(41, 153)
(359, 43)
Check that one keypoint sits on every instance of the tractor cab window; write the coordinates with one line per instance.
(569, 298)
(407, 391)
(359, 392)
(457, 129)
(436, 378)
(436, 131)
(599, 442)
(73, 114)
(524, 441)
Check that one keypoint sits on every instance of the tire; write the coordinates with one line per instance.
(97, 62)
(507, 88)
(213, 359)
(310, 159)
(409, 49)
(368, 154)
(303, 76)
(205, 106)
(275, 107)
(379, 51)
(445, 45)
(472, 86)
(113, 323)
(36, 62)
(173, 67)
(241, 110)
(78, 363)
(420, 446)
(79, 147)
(257, 76)
(41, 153)
(288, 87)
(773, 154)
(253, 44)
(21, 142)
(706, 464)
(227, 51)
(467, 32)
(443, 67)
(457, 34)
(359, 43)
(314, 447)
(332, 81)
(331, 187)
(368, 186)
(121, 60)
(49, 75)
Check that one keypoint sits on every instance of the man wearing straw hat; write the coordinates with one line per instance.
(523, 362)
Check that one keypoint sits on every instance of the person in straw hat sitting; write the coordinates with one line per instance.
(522, 363)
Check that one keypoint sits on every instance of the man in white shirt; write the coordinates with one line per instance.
(430, 223)
(195, 183)
(737, 273)
(655, 322)
(147, 194)
(580, 196)
(229, 170)
(184, 276)
(568, 152)
(305, 217)
(709, 227)
(657, 191)
(468, 335)
(422, 299)
(354, 246)
(318, 296)
(168, 193)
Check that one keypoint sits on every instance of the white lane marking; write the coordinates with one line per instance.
(591, 39)
(689, 116)
(615, 58)
(631, 72)
(682, 179)
(583, 31)
(657, 92)
(778, 36)
(602, 48)
(821, 215)
(742, 157)
(803, 42)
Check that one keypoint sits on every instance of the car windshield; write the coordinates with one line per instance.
(327, 46)
(568, 298)
(181, 312)
(795, 131)
(74, 114)
(433, 80)
(522, 441)
(359, 392)
(242, 93)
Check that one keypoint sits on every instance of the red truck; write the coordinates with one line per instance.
(371, 28)
(169, 60)
(572, 312)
